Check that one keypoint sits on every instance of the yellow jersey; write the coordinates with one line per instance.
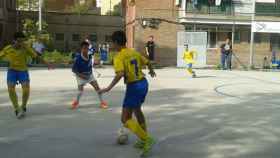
(189, 56)
(130, 62)
(17, 58)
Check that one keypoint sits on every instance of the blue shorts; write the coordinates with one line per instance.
(189, 65)
(136, 94)
(15, 77)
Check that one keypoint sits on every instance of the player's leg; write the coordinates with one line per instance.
(142, 121)
(80, 92)
(140, 117)
(103, 103)
(13, 97)
(25, 95)
(132, 124)
(24, 80)
(11, 83)
(223, 61)
(189, 69)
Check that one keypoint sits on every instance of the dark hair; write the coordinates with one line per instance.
(18, 35)
(84, 43)
(119, 38)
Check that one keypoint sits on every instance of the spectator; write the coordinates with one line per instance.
(103, 54)
(226, 54)
(150, 48)
(39, 48)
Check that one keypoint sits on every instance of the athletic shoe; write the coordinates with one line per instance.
(16, 112)
(103, 105)
(20, 114)
(75, 104)
(139, 144)
(148, 145)
(193, 75)
(23, 111)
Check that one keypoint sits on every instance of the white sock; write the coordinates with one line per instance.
(79, 95)
(100, 98)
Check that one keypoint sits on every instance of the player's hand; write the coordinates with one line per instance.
(104, 90)
(152, 73)
(50, 67)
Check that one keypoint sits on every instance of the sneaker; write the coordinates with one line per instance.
(103, 105)
(148, 145)
(20, 114)
(23, 111)
(139, 144)
(75, 104)
(193, 75)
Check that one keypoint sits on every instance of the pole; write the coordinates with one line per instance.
(252, 35)
(40, 15)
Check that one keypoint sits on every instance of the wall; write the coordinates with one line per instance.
(7, 21)
(70, 24)
(165, 36)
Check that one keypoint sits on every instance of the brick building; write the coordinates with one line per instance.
(230, 18)
(7, 21)
(69, 29)
(166, 34)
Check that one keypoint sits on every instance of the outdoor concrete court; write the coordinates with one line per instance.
(221, 114)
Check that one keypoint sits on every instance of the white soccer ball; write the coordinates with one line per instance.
(122, 137)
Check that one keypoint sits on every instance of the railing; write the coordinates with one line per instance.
(225, 8)
(263, 9)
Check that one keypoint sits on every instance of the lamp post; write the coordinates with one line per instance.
(252, 34)
(40, 15)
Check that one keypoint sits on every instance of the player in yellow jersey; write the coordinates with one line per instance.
(128, 65)
(17, 55)
(189, 58)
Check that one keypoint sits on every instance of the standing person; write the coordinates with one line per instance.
(150, 49)
(103, 54)
(189, 58)
(128, 65)
(92, 51)
(82, 68)
(39, 48)
(226, 54)
(17, 55)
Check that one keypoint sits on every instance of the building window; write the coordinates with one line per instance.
(59, 37)
(1, 32)
(93, 37)
(76, 37)
(237, 37)
(108, 38)
(10, 4)
(1, 4)
(275, 42)
(212, 40)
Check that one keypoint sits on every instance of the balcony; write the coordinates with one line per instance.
(209, 7)
(267, 9)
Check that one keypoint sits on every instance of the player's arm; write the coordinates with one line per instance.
(119, 69)
(2, 54)
(116, 80)
(145, 61)
(34, 55)
(75, 70)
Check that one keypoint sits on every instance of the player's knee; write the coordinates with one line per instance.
(11, 89)
(25, 89)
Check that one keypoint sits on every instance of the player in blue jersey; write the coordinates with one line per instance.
(82, 68)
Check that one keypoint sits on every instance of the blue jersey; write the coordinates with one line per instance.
(82, 65)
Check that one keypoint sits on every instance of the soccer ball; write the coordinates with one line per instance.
(122, 137)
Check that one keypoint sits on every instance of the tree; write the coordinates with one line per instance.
(30, 29)
(79, 8)
(117, 10)
(31, 5)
